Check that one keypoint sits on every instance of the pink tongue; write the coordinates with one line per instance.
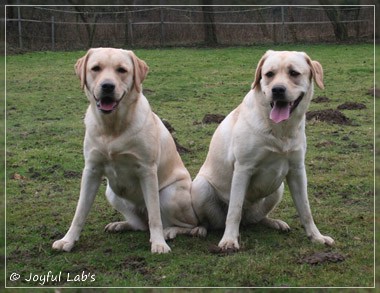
(280, 113)
(107, 106)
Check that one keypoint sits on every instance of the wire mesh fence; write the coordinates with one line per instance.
(81, 27)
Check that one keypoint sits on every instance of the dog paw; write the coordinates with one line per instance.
(117, 227)
(198, 232)
(321, 239)
(170, 233)
(160, 248)
(276, 224)
(229, 245)
(63, 245)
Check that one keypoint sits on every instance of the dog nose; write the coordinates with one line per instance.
(108, 87)
(278, 91)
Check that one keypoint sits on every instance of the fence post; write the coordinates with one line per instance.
(52, 34)
(19, 27)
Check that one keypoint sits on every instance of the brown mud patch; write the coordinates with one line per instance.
(329, 115)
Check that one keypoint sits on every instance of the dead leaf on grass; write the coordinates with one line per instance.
(17, 176)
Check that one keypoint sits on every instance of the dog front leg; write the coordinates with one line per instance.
(149, 186)
(297, 182)
(240, 181)
(89, 186)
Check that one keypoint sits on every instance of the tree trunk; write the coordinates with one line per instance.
(333, 13)
(208, 18)
(90, 28)
(292, 28)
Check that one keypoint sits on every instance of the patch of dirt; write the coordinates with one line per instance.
(35, 174)
(108, 250)
(321, 257)
(168, 125)
(214, 249)
(325, 143)
(329, 115)
(352, 106)
(213, 118)
(180, 149)
(55, 235)
(43, 174)
(321, 99)
(71, 174)
(138, 264)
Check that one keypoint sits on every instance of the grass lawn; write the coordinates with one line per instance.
(45, 109)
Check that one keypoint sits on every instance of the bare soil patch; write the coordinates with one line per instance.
(321, 257)
(321, 99)
(329, 115)
(180, 148)
(352, 106)
(213, 118)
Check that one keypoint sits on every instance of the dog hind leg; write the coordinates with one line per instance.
(133, 220)
(178, 216)
(207, 205)
(258, 212)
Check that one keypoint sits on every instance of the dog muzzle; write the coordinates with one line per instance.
(281, 110)
(107, 105)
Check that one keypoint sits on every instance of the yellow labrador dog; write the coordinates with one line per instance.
(129, 145)
(257, 146)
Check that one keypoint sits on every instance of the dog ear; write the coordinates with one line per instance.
(316, 72)
(256, 82)
(81, 68)
(140, 71)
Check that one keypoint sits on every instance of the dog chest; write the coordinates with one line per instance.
(268, 176)
(122, 177)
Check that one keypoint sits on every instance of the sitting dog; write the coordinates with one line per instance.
(129, 145)
(256, 147)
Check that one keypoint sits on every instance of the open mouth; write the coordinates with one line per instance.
(107, 104)
(282, 110)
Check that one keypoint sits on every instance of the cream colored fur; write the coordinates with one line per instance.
(129, 145)
(250, 154)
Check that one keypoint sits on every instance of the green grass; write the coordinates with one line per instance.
(45, 109)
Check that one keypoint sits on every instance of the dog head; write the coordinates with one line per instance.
(285, 80)
(109, 75)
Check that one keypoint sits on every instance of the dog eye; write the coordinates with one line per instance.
(269, 74)
(121, 70)
(294, 73)
(96, 68)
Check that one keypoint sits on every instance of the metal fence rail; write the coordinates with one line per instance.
(65, 28)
